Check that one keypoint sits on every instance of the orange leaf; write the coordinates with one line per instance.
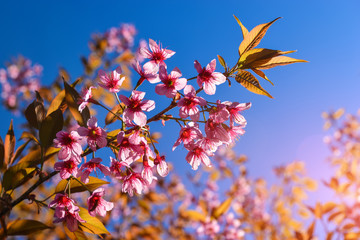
(253, 38)
(247, 80)
(274, 62)
(243, 28)
(258, 54)
(9, 145)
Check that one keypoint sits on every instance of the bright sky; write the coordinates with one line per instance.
(289, 127)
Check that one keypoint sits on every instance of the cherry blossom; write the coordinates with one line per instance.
(112, 81)
(115, 167)
(157, 54)
(69, 144)
(96, 136)
(234, 109)
(188, 104)
(97, 205)
(170, 83)
(207, 78)
(129, 147)
(161, 166)
(135, 105)
(148, 73)
(196, 155)
(70, 217)
(85, 98)
(188, 134)
(133, 181)
(91, 166)
(67, 168)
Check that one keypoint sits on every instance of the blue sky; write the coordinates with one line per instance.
(289, 127)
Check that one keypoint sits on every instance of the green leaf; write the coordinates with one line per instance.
(223, 208)
(247, 80)
(49, 127)
(25, 227)
(72, 97)
(92, 224)
(75, 186)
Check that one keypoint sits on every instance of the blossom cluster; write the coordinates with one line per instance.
(133, 143)
(20, 77)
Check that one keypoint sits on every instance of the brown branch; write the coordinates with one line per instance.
(26, 194)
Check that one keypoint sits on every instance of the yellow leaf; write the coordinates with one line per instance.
(310, 184)
(193, 215)
(262, 75)
(310, 230)
(243, 28)
(253, 38)
(9, 145)
(25, 227)
(328, 207)
(275, 61)
(49, 127)
(77, 235)
(92, 224)
(258, 54)
(223, 208)
(71, 98)
(75, 186)
(111, 117)
(247, 80)
(318, 210)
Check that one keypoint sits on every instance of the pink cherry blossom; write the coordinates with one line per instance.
(135, 105)
(220, 113)
(133, 181)
(91, 166)
(96, 136)
(67, 168)
(216, 131)
(115, 167)
(234, 109)
(148, 73)
(236, 131)
(147, 173)
(112, 81)
(71, 218)
(188, 134)
(188, 104)
(97, 205)
(85, 98)
(69, 144)
(157, 54)
(170, 83)
(210, 145)
(207, 78)
(62, 202)
(197, 155)
(161, 166)
(129, 147)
